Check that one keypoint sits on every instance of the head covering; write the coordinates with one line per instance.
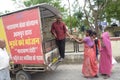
(106, 41)
(105, 36)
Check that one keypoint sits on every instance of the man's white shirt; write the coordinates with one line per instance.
(4, 58)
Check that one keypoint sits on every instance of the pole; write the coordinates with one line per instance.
(70, 16)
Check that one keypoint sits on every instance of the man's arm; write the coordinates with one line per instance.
(67, 33)
(54, 34)
(79, 41)
(53, 31)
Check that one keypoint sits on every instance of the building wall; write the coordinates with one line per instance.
(115, 41)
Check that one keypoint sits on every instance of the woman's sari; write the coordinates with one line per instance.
(106, 55)
(89, 68)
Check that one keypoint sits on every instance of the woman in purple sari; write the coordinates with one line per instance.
(105, 66)
(89, 68)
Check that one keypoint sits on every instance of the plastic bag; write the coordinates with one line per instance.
(114, 61)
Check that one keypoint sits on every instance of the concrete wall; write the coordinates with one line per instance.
(115, 42)
(78, 57)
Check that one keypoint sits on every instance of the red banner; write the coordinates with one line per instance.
(24, 36)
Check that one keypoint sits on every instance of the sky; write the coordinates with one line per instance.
(6, 5)
(11, 6)
(81, 2)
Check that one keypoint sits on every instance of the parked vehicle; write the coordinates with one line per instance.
(29, 41)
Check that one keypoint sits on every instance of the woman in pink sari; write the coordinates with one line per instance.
(105, 55)
(89, 68)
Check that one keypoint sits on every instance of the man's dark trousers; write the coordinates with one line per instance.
(61, 47)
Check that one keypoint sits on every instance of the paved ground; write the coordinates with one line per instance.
(70, 69)
(73, 72)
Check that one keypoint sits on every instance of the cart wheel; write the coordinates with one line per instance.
(22, 75)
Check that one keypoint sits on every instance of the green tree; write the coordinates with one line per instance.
(72, 20)
(55, 3)
(28, 3)
(75, 15)
(77, 12)
(78, 15)
(93, 10)
(112, 11)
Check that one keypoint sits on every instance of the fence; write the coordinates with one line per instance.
(72, 46)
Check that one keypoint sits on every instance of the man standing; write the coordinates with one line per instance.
(4, 62)
(59, 31)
